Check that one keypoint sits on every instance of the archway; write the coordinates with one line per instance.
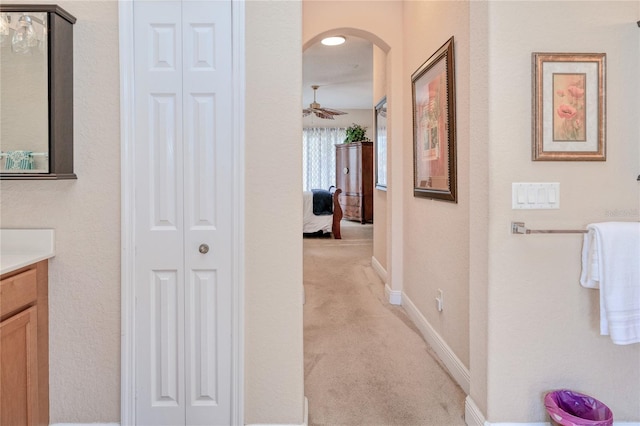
(384, 50)
(379, 90)
(349, 31)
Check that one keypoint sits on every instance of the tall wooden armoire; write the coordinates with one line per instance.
(354, 175)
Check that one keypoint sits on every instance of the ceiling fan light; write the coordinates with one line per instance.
(333, 41)
(320, 112)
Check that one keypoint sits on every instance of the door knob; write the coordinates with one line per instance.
(345, 170)
(204, 248)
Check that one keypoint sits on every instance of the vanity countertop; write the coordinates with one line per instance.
(22, 247)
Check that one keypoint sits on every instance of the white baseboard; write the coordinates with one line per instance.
(393, 296)
(377, 266)
(472, 414)
(458, 371)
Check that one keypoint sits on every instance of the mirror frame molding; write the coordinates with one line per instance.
(60, 67)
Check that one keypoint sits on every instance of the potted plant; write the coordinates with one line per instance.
(356, 133)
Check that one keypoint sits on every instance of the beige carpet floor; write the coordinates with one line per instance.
(365, 362)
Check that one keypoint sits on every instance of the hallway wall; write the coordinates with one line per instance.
(273, 218)
(479, 203)
(543, 326)
(436, 233)
(380, 222)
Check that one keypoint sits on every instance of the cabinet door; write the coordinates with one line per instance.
(348, 169)
(342, 160)
(366, 158)
(19, 369)
(354, 176)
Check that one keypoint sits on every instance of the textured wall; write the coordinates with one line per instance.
(436, 233)
(274, 391)
(543, 326)
(478, 203)
(380, 224)
(84, 277)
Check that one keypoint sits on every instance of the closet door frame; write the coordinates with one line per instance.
(127, 163)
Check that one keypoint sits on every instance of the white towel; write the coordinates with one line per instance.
(590, 276)
(611, 262)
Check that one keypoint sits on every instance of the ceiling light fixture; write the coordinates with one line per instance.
(333, 41)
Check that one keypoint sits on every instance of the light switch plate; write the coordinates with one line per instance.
(529, 196)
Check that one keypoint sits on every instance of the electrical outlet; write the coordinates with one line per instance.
(439, 301)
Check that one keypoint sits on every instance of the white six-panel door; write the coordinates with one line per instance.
(183, 223)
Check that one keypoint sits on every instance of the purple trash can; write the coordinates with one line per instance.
(569, 408)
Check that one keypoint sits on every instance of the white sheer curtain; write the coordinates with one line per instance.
(319, 156)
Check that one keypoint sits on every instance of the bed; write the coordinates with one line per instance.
(322, 212)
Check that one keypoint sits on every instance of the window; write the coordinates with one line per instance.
(319, 156)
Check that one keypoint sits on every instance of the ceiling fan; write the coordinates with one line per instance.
(320, 112)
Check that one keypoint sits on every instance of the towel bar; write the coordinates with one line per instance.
(519, 228)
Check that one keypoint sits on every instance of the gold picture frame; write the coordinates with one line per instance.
(434, 126)
(568, 105)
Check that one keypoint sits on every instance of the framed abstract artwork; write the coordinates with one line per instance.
(381, 144)
(434, 126)
(568, 104)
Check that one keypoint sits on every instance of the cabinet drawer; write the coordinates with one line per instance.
(350, 201)
(352, 212)
(17, 292)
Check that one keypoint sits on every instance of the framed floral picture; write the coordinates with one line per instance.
(568, 107)
(434, 126)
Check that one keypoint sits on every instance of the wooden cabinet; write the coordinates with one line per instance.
(19, 369)
(24, 358)
(354, 175)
